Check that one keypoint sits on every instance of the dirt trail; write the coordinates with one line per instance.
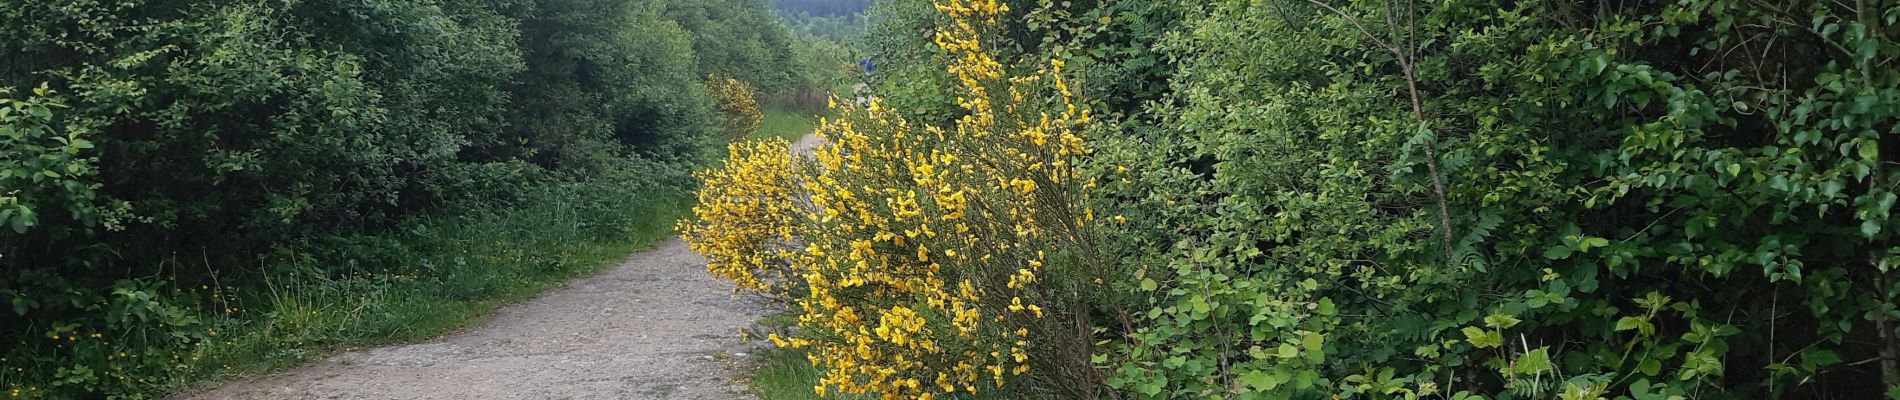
(657, 326)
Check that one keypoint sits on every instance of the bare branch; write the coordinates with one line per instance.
(1362, 28)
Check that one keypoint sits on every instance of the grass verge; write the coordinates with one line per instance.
(787, 124)
(784, 374)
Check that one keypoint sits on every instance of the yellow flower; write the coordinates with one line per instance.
(852, 225)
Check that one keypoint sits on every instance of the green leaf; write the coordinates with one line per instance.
(1650, 366)
(21, 222)
(1536, 298)
(1481, 338)
(1152, 387)
(1816, 358)
(1149, 285)
(1261, 381)
(1628, 323)
(1500, 321)
(1533, 362)
(1315, 345)
(1305, 379)
(1557, 252)
(1288, 351)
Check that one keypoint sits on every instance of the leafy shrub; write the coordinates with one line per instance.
(488, 183)
(43, 169)
(1646, 200)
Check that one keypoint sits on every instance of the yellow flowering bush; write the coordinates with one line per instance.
(923, 250)
(746, 215)
(738, 108)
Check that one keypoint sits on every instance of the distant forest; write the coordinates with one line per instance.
(823, 7)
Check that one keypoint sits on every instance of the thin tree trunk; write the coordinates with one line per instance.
(1431, 162)
(1418, 117)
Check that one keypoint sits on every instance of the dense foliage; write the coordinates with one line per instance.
(156, 155)
(823, 7)
(1458, 199)
(834, 28)
(738, 38)
(1648, 200)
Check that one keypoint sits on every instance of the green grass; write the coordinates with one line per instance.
(781, 373)
(784, 374)
(780, 123)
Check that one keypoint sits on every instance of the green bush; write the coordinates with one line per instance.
(1646, 201)
(50, 171)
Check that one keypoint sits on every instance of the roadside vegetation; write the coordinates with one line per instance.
(195, 190)
(1303, 199)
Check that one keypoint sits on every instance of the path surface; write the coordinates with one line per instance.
(657, 326)
(805, 145)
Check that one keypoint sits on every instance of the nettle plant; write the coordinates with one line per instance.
(930, 260)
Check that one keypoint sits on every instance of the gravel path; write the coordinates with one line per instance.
(657, 326)
(805, 145)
